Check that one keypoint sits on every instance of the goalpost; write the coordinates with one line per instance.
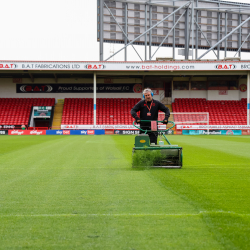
(188, 120)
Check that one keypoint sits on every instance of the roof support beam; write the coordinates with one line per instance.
(242, 44)
(56, 78)
(31, 77)
(224, 38)
(204, 36)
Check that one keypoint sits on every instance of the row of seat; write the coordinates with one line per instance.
(16, 111)
(220, 112)
(109, 110)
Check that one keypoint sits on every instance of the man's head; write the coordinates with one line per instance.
(147, 93)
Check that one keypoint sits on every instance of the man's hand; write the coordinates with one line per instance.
(165, 121)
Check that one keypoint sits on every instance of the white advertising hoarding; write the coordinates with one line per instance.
(128, 66)
(213, 127)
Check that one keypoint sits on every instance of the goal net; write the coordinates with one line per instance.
(189, 121)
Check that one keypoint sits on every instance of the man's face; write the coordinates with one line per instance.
(148, 96)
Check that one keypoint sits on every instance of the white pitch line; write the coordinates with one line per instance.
(106, 215)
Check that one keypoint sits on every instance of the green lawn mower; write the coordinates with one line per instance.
(156, 156)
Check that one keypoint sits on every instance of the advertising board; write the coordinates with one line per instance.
(76, 88)
(3, 132)
(212, 132)
(246, 132)
(213, 127)
(109, 131)
(118, 127)
(100, 132)
(26, 132)
(122, 66)
(66, 132)
(54, 132)
(126, 132)
(78, 132)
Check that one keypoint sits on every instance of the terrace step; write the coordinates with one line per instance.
(57, 119)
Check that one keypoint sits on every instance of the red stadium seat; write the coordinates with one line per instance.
(220, 112)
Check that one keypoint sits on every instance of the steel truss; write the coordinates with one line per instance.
(191, 9)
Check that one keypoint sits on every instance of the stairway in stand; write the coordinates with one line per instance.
(57, 119)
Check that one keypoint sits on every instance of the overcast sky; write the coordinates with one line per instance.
(56, 30)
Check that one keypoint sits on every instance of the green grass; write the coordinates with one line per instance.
(80, 192)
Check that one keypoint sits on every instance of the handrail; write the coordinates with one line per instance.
(151, 130)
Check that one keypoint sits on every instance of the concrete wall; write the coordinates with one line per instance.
(189, 94)
(243, 94)
(232, 95)
(210, 94)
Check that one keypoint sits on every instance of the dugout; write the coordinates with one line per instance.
(212, 80)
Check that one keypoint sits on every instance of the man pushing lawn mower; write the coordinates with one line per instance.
(149, 111)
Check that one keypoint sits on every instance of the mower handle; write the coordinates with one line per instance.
(151, 130)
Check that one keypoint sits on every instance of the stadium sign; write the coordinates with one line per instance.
(214, 127)
(129, 66)
(212, 132)
(126, 132)
(3, 132)
(78, 88)
(26, 132)
(105, 127)
(8, 126)
(98, 127)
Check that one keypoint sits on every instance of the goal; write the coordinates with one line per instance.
(189, 120)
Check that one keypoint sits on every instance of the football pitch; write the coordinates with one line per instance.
(80, 192)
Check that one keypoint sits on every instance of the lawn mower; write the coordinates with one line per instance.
(156, 156)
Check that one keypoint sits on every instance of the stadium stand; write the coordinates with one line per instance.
(109, 111)
(220, 112)
(16, 111)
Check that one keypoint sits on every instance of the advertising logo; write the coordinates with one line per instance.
(91, 132)
(130, 132)
(43, 88)
(190, 126)
(70, 126)
(109, 131)
(243, 88)
(137, 88)
(16, 132)
(225, 66)
(59, 132)
(66, 132)
(83, 132)
(230, 132)
(36, 132)
(8, 66)
(94, 66)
